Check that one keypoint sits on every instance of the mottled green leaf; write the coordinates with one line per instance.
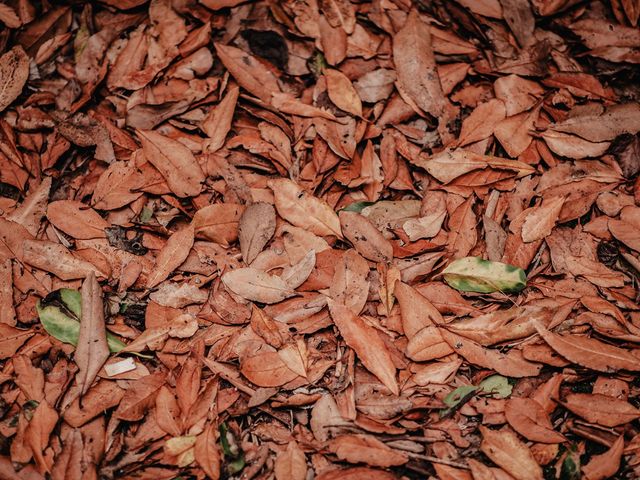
(357, 206)
(497, 385)
(473, 274)
(61, 318)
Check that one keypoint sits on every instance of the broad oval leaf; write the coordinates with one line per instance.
(14, 72)
(256, 285)
(473, 274)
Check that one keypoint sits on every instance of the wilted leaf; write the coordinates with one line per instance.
(172, 255)
(256, 285)
(342, 93)
(528, 418)
(257, 226)
(366, 449)
(504, 448)
(304, 210)
(174, 161)
(92, 350)
(601, 409)
(367, 344)
(14, 72)
(473, 274)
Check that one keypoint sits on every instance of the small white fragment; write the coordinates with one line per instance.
(122, 366)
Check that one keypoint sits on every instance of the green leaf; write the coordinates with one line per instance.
(473, 274)
(61, 316)
(231, 450)
(459, 394)
(357, 206)
(571, 465)
(497, 385)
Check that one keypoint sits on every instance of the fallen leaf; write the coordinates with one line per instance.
(504, 448)
(304, 210)
(606, 464)
(589, 352)
(342, 93)
(75, 219)
(256, 227)
(601, 409)
(528, 418)
(14, 72)
(92, 350)
(367, 344)
(291, 464)
(366, 449)
(473, 274)
(256, 285)
(172, 255)
(174, 161)
(365, 237)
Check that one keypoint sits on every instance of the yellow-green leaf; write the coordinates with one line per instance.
(473, 274)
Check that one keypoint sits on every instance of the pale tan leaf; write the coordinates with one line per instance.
(256, 285)
(350, 286)
(504, 449)
(257, 226)
(92, 349)
(296, 274)
(30, 212)
(339, 13)
(174, 161)
(342, 93)
(76, 219)
(367, 344)
(14, 72)
(172, 255)
(40, 427)
(8, 312)
(304, 210)
(541, 220)
(54, 258)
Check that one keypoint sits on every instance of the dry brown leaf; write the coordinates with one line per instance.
(266, 369)
(509, 365)
(367, 343)
(207, 452)
(139, 397)
(598, 124)
(589, 352)
(291, 464)
(349, 285)
(601, 409)
(256, 227)
(366, 449)
(481, 123)
(92, 349)
(416, 67)
(256, 285)
(463, 233)
(528, 418)
(172, 255)
(342, 93)
(117, 186)
(8, 312)
(54, 258)
(248, 71)
(285, 103)
(539, 223)
(504, 448)
(218, 223)
(14, 72)
(37, 434)
(174, 161)
(30, 212)
(606, 464)
(76, 219)
(218, 122)
(365, 237)
(304, 210)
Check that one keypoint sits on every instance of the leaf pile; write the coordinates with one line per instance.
(326, 239)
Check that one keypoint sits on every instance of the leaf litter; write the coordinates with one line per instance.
(330, 240)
